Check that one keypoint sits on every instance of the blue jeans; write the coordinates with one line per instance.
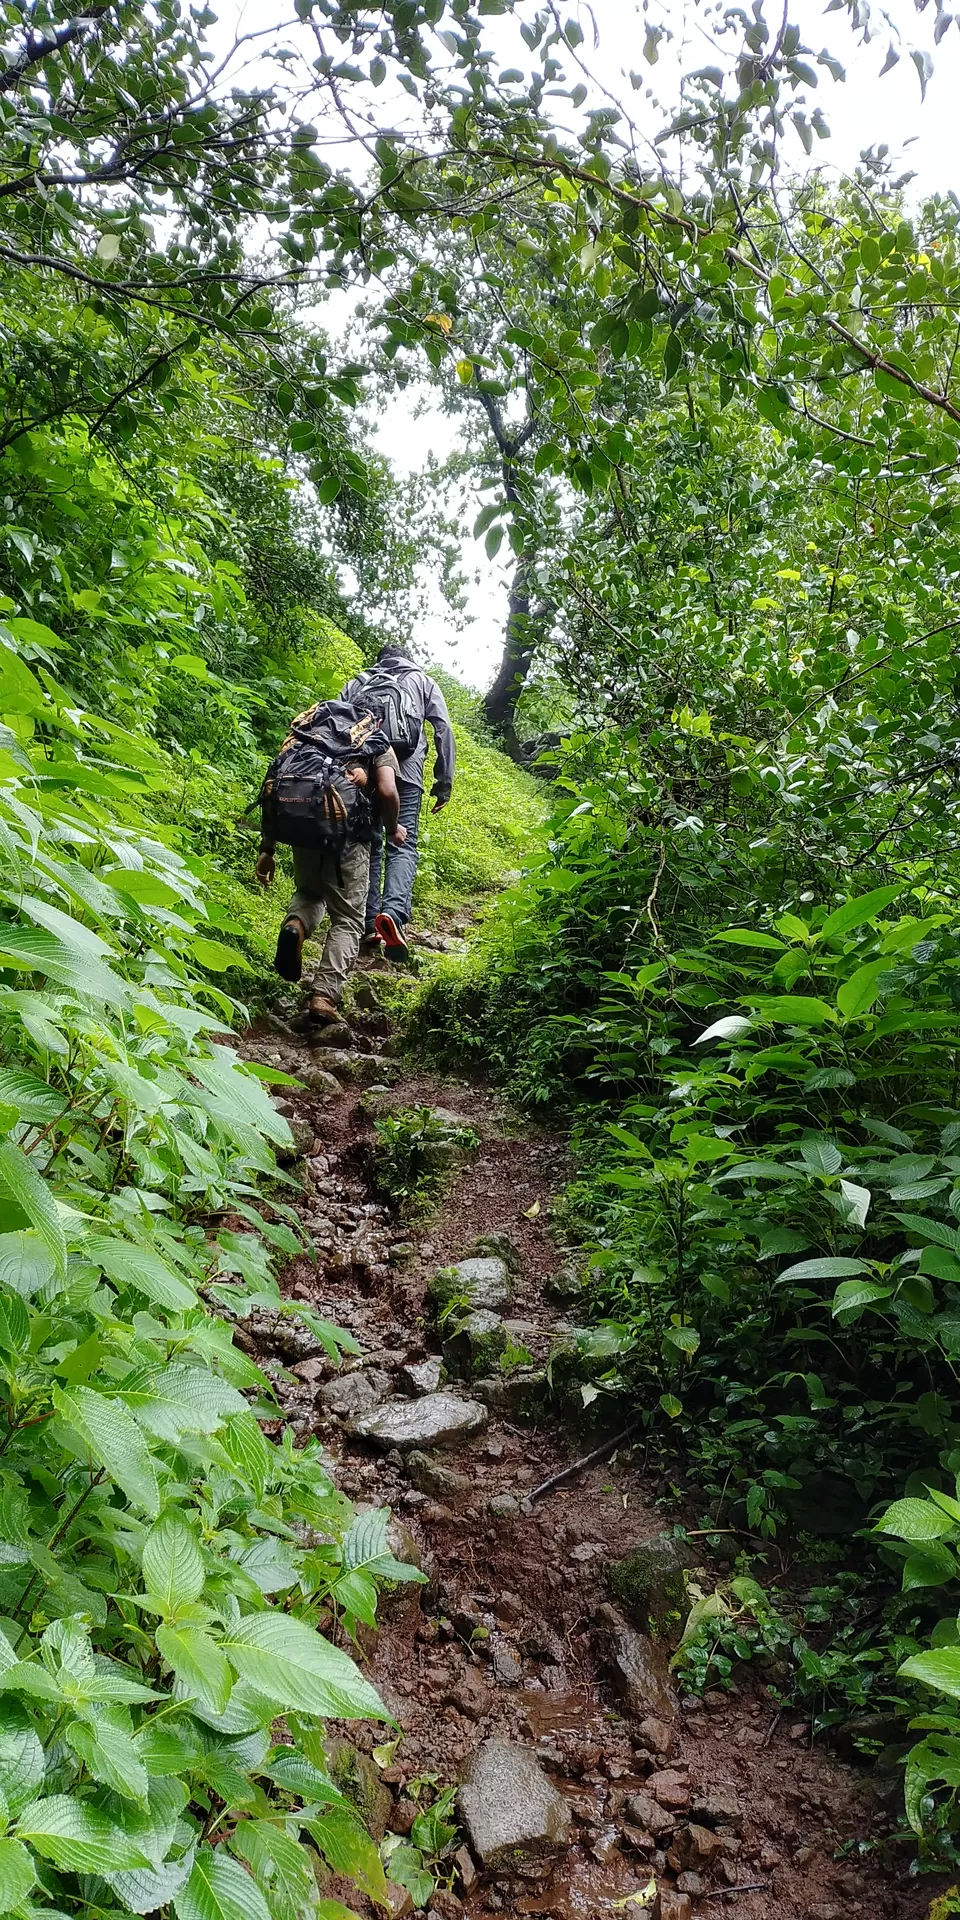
(393, 893)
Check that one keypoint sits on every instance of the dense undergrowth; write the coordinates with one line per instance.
(766, 1113)
(712, 411)
(180, 1597)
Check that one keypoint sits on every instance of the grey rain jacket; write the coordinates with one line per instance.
(427, 699)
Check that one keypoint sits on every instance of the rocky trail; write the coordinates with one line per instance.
(523, 1668)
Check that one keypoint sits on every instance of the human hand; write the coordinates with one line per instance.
(442, 800)
(266, 868)
(399, 837)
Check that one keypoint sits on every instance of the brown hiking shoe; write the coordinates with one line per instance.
(288, 959)
(321, 1012)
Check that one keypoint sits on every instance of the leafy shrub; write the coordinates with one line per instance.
(166, 1572)
(415, 1154)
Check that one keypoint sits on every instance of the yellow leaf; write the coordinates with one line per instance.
(465, 372)
(531, 1212)
(441, 320)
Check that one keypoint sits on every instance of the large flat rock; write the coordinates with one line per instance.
(477, 1283)
(436, 1420)
(510, 1810)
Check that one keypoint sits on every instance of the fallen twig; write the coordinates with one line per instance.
(587, 1460)
(772, 1728)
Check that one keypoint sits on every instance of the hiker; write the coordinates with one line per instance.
(333, 779)
(410, 699)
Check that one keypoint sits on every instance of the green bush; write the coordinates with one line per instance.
(172, 1584)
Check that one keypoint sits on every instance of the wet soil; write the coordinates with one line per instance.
(503, 1640)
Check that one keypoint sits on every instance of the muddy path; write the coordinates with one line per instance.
(722, 1801)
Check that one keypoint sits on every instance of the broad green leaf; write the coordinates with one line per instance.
(111, 1435)
(22, 1762)
(217, 957)
(290, 1769)
(936, 1231)
(220, 1889)
(939, 1668)
(280, 1865)
(292, 1665)
(243, 1441)
(856, 913)
(348, 1849)
(77, 1836)
(151, 1888)
(857, 995)
(853, 1294)
(198, 1662)
(795, 1010)
(128, 1264)
(33, 1099)
(933, 1566)
(17, 1875)
(84, 942)
(172, 1562)
(685, 1339)
(21, 1180)
(37, 951)
(830, 1267)
(26, 1264)
(915, 1520)
(108, 1753)
(821, 1155)
(743, 937)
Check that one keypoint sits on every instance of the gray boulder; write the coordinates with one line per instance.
(430, 1476)
(478, 1283)
(438, 1420)
(334, 1036)
(503, 1247)
(509, 1808)
(638, 1668)
(362, 1069)
(349, 1394)
(521, 1394)
(475, 1343)
(319, 1081)
(422, 1376)
(650, 1586)
(303, 1140)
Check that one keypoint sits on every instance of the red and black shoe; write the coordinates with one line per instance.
(288, 958)
(391, 934)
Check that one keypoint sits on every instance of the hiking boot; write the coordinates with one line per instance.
(371, 943)
(322, 1012)
(391, 934)
(289, 955)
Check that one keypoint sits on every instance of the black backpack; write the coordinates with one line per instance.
(400, 719)
(307, 799)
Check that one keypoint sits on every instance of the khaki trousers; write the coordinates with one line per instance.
(318, 890)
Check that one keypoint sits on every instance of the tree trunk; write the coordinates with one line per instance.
(500, 703)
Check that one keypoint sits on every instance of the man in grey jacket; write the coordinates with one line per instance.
(389, 902)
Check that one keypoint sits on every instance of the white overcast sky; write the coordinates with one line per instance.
(862, 112)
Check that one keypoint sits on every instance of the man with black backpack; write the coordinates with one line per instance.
(407, 699)
(333, 780)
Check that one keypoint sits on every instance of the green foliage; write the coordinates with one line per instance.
(168, 1572)
(415, 1156)
(421, 1863)
(469, 848)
